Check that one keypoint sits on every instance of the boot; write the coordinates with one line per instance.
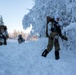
(45, 52)
(5, 42)
(57, 55)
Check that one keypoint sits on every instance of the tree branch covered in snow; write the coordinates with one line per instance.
(42, 8)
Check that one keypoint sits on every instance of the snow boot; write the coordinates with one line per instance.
(57, 55)
(45, 52)
(5, 42)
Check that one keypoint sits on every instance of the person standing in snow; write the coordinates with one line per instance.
(3, 34)
(53, 38)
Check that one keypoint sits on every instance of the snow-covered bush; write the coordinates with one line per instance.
(71, 34)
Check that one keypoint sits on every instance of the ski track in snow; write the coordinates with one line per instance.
(26, 59)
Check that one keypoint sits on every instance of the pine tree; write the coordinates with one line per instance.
(1, 20)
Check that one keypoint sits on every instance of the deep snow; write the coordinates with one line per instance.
(26, 59)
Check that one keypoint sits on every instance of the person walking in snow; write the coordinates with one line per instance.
(53, 38)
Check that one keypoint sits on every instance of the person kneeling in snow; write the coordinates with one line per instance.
(20, 39)
(53, 38)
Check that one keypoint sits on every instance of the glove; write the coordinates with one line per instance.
(66, 38)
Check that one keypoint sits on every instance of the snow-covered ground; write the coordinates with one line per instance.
(26, 59)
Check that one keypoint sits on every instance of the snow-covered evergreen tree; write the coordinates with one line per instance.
(42, 8)
(1, 20)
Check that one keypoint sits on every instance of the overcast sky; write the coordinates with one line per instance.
(13, 12)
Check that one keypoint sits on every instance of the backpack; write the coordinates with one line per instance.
(54, 28)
